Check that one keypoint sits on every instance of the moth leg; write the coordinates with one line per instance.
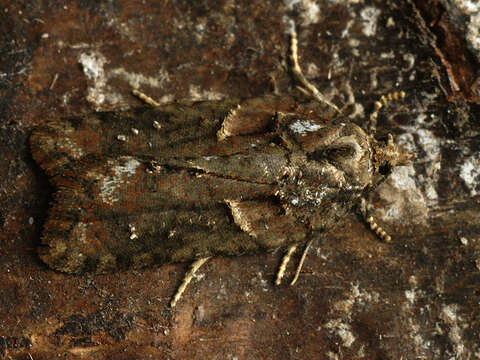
(382, 234)
(380, 103)
(147, 99)
(186, 280)
(300, 264)
(283, 266)
(306, 86)
(378, 230)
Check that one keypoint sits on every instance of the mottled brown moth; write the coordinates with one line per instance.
(184, 182)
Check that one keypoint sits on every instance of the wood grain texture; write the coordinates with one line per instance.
(356, 298)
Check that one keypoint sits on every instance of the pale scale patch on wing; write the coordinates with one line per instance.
(122, 168)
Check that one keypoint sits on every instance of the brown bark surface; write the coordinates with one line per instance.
(357, 298)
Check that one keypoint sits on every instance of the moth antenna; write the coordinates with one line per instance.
(307, 87)
(300, 264)
(144, 97)
(197, 264)
(382, 234)
(381, 102)
(283, 266)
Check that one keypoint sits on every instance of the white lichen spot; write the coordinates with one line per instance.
(470, 173)
(354, 43)
(370, 16)
(200, 28)
(199, 276)
(473, 35)
(387, 55)
(431, 144)
(308, 9)
(449, 315)
(471, 10)
(100, 93)
(403, 196)
(93, 65)
(432, 161)
(468, 6)
(344, 305)
(402, 178)
(410, 295)
(260, 280)
(302, 127)
(431, 192)
(136, 80)
(342, 309)
(312, 71)
(122, 169)
(93, 68)
(195, 93)
(332, 356)
(342, 330)
(430, 158)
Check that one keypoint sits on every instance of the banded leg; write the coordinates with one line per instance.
(307, 87)
(147, 99)
(380, 103)
(283, 266)
(382, 234)
(300, 264)
(188, 277)
(286, 260)
(377, 229)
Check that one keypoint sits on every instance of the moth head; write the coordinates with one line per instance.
(387, 155)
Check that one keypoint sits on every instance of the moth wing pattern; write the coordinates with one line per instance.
(130, 193)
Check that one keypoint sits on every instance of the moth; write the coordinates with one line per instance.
(184, 182)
